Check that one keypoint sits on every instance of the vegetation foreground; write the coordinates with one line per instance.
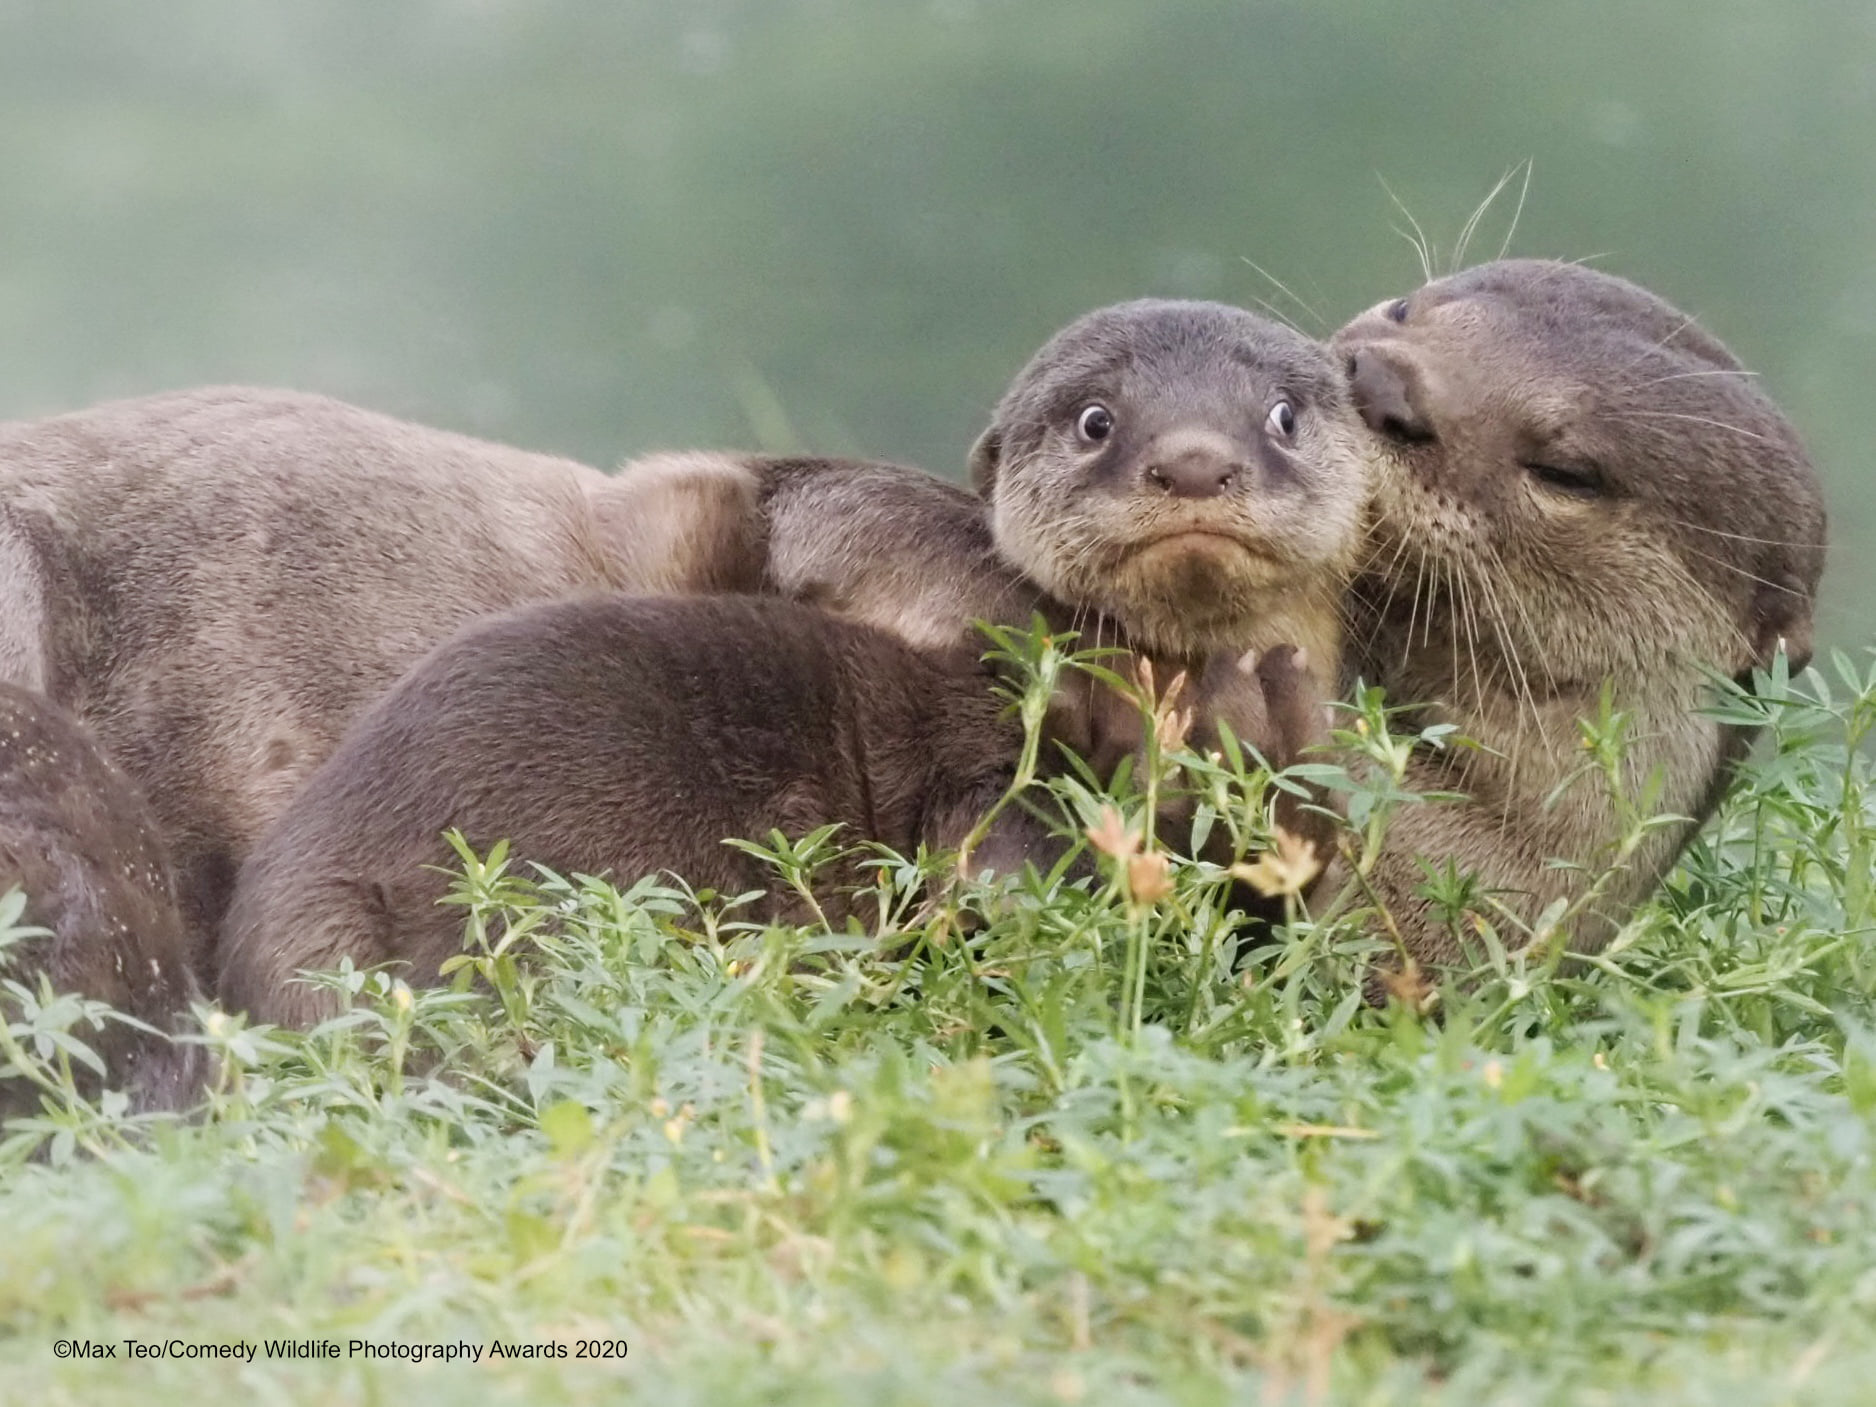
(1035, 1146)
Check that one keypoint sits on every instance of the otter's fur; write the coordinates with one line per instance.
(1223, 509)
(632, 735)
(1194, 531)
(1107, 534)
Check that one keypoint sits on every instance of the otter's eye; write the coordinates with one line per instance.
(1281, 421)
(1396, 311)
(1095, 423)
(1578, 481)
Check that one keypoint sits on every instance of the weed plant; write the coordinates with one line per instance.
(1028, 1139)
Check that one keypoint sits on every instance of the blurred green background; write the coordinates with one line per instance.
(842, 224)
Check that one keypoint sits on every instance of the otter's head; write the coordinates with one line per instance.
(1585, 481)
(1185, 469)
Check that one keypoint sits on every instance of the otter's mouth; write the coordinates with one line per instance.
(1205, 549)
(1199, 560)
(1204, 538)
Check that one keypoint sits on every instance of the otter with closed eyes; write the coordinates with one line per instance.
(1577, 487)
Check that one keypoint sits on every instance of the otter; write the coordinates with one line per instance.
(81, 843)
(1183, 478)
(1206, 452)
(624, 736)
(218, 581)
(1577, 488)
(1189, 470)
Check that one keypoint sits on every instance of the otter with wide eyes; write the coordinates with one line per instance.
(1576, 487)
(1188, 471)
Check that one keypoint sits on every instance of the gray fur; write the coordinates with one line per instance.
(217, 582)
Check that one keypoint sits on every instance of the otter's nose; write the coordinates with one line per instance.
(1387, 397)
(1192, 472)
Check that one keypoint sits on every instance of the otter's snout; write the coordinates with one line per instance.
(1193, 465)
(1388, 396)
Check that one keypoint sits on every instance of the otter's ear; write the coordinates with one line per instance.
(1781, 614)
(986, 459)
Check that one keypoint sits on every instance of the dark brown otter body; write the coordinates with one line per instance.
(632, 735)
(1577, 486)
(81, 843)
(621, 736)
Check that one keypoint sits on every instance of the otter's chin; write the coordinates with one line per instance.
(1193, 592)
(1202, 564)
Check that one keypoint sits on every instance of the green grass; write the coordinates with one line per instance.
(1076, 1156)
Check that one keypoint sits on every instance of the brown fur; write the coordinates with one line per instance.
(82, 844)
(1672, 524)
(621, 736)
(1081, 532)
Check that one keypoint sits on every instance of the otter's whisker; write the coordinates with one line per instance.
(1508, 647)
(1288, 292)
(1472, 223)
(1454, 598)
(1695, 419)
(1648, 352)
(1277, 313)
(1691, 375)
(1742, 537)
(1413, 612)
(1393, 578)
(1530, 165)
(1419, 236)
(1468, 619)
(1750, 576)
(1687, 321)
